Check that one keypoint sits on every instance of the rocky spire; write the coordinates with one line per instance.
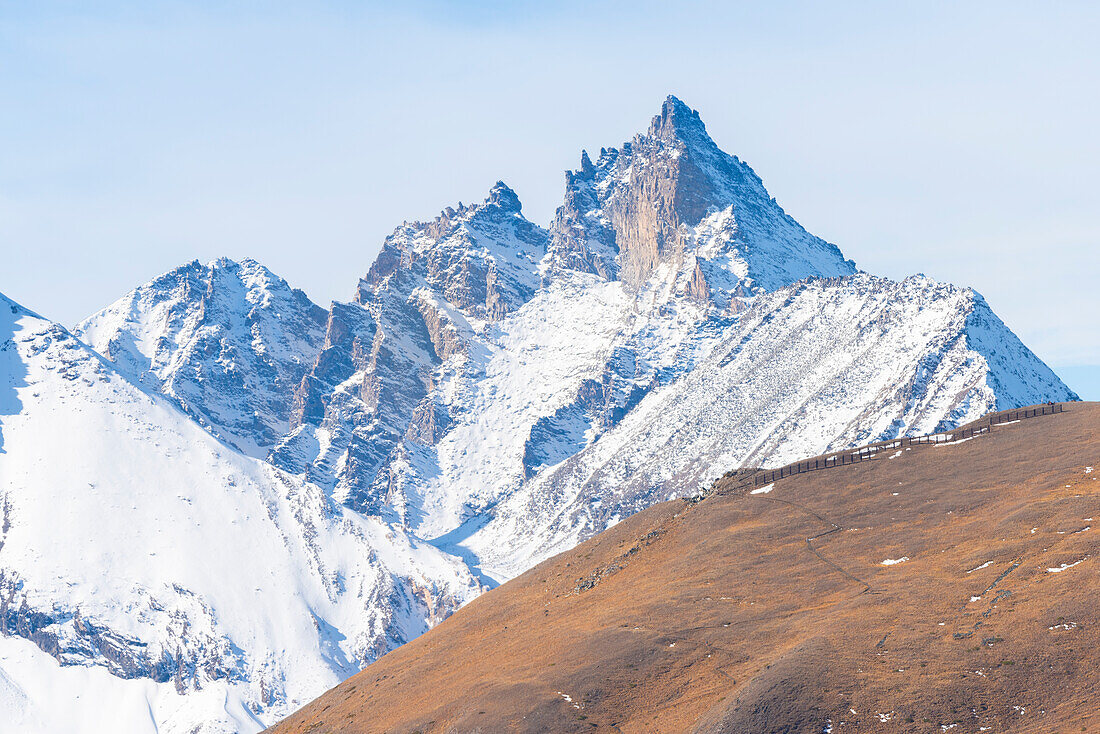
(677, 121)
(641, 205)
(587, 169)
(503, 196)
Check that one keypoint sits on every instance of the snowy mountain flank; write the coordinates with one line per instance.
(220, 499)
(184, 583)
(229, 343)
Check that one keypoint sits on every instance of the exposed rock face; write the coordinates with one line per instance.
(434, 287)
(578, 241)
(672, 192)
(481, 258)
(697, 287)
(188, 659)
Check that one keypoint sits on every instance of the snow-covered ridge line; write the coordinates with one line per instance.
(817, 366)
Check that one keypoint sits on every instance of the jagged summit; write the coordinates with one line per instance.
(677, 121)
(500, 198)
(469, 252)
(434, 287)
(672, 193)
(503, 196)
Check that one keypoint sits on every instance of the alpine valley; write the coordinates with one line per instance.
(220, 499)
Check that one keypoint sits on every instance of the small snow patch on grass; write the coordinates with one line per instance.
(895, 561)
(1064, 626)
(953, 443)
(764, 490)
(1064, 566)
(979, 568)
(569, 700)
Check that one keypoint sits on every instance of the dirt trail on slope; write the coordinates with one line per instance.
(751, 613)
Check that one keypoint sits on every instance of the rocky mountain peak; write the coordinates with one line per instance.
(587, 169)
(466, 254)
(678, 122)
(671, 193)
(501, 195)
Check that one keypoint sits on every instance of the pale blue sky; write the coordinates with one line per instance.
(955, 139)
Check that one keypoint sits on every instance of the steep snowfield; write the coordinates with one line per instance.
(228, 342)
(813, 367)
(136, 544)
(549, 379)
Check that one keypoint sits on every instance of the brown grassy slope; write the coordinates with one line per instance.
(723, 617)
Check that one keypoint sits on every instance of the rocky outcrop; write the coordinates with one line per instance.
(579, 242)
(650, 201)
(697, 286)
(188, 659)
(435, 286)
(481, 258)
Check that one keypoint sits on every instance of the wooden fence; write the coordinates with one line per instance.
(759, 477)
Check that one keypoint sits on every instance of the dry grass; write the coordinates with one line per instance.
(727, 619)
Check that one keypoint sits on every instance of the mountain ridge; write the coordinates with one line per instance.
(491, 393)
(136, 544)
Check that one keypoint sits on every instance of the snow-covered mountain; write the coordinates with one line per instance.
(181, 585)
(433, 288)
(492, 393)
(819, 365)
(228, 342)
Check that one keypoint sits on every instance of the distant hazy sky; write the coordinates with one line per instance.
(961, 140)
